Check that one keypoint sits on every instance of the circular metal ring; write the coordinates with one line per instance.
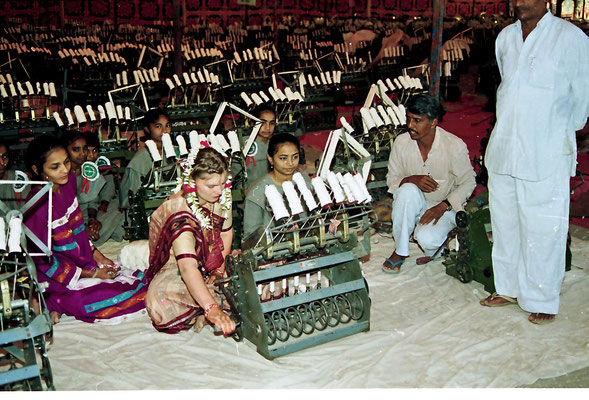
(345, 307)
(333, 311)
(281, 325)
(271, 330)
(307, 318)
(320, 314)
(357, 305)
(295, 321)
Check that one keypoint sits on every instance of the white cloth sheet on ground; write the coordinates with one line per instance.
(427, 330)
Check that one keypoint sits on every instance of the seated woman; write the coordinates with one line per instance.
(283, 156)
(100, 226)
(82, 282)
(190, 235)
(156, 123)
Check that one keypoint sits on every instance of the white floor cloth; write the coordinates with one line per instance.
(427, 330)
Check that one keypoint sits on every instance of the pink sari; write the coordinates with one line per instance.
(168, 301)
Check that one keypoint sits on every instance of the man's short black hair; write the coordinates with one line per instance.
(425, 104)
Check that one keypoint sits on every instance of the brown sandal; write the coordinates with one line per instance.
(490, 301)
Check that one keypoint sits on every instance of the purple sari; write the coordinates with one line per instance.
(86, 299)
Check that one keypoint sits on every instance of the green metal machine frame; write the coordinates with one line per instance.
(305, 319)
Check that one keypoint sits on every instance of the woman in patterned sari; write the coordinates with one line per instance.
(81, 281)
(190, 235)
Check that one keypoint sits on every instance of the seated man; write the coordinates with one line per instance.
(430, 176)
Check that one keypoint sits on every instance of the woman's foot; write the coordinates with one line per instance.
(55, 316)
(392, 265)
(541, 318)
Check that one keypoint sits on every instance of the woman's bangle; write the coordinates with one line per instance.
(95, 273)
(209, 308)
(93, 250)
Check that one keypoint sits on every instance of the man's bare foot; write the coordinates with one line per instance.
(497, 300)
(55, 317)
(393, 263)
(541, 318)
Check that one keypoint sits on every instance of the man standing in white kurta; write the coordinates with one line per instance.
(430, 177)
(542, 100)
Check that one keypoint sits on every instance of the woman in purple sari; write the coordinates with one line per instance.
(81, 281)
(190, 235)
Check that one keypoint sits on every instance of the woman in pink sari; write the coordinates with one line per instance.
(190, 235)
(80, 280)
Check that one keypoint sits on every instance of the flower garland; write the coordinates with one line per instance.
(186, 183)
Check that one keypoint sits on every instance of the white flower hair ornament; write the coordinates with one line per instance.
(188, 185)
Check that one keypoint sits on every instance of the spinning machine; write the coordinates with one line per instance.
(299, 283)
(24, 364)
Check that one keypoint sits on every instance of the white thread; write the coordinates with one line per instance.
(233, 141)
(276, 202)
(181, 145)
(223, 143)
(90, 112)
(337, 190)
(194, 142)
(358, 194)
(346, 126)
(257, 99)
(14, 233)
(2, 235)
(393, 116)
(152, 147)
(168, 146)
(321, 192)
(57, 119)
(347, 190)
(79, 113)
(101, 112)
(280, 94)
(120, 114)
(367, 118)
(297, 178)
(402, 114)
(362, 185)
(110, 110)
(246, 99)
(384, 115)
(170, 83)
(294, 203)
(375, 117)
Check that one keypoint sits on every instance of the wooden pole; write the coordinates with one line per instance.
(435, 66)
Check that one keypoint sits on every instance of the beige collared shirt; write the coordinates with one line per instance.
(447, 162)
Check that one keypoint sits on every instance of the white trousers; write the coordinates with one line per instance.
(409, 205)
(530, 222)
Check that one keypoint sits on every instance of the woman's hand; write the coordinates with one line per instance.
(107, 272)
(94, 228)
(221, 320)
(102, 260)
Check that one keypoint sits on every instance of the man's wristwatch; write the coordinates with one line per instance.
(449, 206)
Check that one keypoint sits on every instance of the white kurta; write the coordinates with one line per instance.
(543, 98)
(448, 163)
